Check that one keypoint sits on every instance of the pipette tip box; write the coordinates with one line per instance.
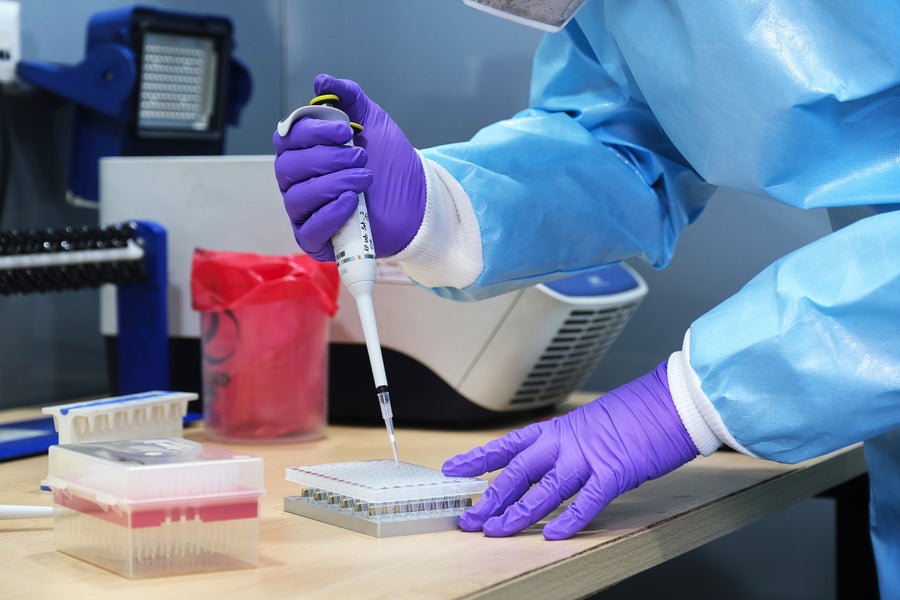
(380, 497)
(135, 416)
(147, 508)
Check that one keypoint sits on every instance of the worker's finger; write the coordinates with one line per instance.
(307, 133)
(305, 198)
(351, 99)
(589, 502)
(315, 233)
(523, 471)
(296, 166)
(538, 502)
(494, 455)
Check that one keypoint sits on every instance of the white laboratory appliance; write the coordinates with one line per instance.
(450, 363)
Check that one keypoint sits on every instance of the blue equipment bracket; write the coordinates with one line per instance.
(103, 81)
(142, 313)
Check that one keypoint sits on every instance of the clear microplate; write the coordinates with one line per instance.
(380, 497)
(146, 508)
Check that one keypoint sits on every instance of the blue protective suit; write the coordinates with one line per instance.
(640, 108)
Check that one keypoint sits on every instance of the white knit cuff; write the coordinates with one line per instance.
(700, 417)
(446, 251)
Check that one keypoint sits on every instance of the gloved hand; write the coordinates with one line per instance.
(599, 450)
(320, 177)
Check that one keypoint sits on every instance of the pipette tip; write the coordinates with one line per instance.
(394, 448)
(384, 401)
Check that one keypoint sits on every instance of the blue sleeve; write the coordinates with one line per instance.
(582, 178)
(805, 359)
(794, 101)
(639, 108)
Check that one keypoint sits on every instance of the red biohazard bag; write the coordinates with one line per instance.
(264, 340)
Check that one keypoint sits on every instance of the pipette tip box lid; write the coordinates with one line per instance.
(135, 416)
(380, 497)
(147, 508)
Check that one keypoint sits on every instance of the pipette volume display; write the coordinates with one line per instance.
(354, 253)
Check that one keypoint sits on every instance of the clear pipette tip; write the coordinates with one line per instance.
(384, 401)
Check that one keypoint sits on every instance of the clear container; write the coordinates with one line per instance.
(265, 372)
(147, 508)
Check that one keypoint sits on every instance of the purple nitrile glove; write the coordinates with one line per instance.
(599, 451)
(320, 177)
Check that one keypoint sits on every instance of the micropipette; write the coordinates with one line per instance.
(354, 253)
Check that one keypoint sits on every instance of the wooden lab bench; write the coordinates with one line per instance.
(302, 558)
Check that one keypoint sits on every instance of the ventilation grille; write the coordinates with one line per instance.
(573, 355)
